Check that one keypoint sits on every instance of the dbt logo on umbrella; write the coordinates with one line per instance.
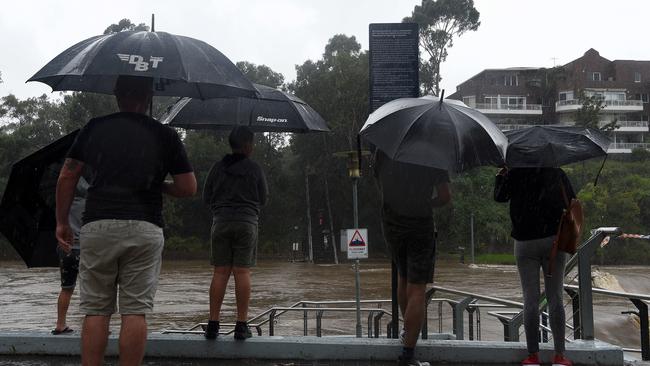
(139, 62)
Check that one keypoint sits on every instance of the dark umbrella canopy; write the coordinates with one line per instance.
(272, 110)
(424, 131)
(554, 146)
(180, 66)
(27, 216)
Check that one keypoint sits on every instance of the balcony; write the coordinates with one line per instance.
(627, 147)
(491, 108)
(632, 126)
(573, 105)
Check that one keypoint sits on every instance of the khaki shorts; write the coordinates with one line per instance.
(119, 255)
(233, 243)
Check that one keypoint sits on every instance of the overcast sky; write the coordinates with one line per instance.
(284, 33)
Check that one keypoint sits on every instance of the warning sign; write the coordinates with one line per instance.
(357, 243)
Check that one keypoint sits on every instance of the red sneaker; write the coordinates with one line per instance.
(561, 361)
(532, 360)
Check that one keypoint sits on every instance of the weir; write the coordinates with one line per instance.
(460, 344)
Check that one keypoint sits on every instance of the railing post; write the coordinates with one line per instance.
(370, 316)
(304, 320)
(319, 316)
(440, 317)
(470, 320)
(586, 312)
(645, 334)
(544, 325)
(377, 326)
(459, 316)
(271, 321)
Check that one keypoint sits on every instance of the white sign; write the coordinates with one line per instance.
(357, 243)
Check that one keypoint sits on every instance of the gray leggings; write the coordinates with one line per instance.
(531, 255)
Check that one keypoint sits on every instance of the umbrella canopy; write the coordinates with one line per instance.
(445, 135)
(180, 66)
(272, 111)
(27, 209)
(554, 146)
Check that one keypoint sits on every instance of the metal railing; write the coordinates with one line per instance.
(630, 145)
(632, 123)
(509, 313)
(607, 103)
(508, 107)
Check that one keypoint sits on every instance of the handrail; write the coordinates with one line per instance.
(495, 300)
(624, 294)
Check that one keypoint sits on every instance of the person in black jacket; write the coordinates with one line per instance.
(537, 198)
(235, 190)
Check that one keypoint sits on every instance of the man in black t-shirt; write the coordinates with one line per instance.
(407, 221)
(121, 238)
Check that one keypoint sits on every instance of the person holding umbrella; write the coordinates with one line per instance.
(537, 201)
(539, 191)
(122, 238)
(408, 198)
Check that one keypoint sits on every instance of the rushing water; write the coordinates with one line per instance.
(28, 296)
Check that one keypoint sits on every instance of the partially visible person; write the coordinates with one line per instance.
(131, 154)
(235, 189)
(69, 261)
(537, 200)
(409, 194)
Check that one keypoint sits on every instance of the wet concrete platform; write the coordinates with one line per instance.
(298, 350)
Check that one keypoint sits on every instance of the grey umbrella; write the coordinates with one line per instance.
(180, 66)
(439, 134)
(554, 146)
(272, 110)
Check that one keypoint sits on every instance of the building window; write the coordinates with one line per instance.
(644, 97)
(637, 77)
(596, 76)
(511, 80)
(566, 95)
(470, 101)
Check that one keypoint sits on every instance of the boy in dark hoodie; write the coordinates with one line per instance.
(235, 189)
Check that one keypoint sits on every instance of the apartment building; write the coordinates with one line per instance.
(520, 97)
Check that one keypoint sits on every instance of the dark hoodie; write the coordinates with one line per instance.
(235, 189)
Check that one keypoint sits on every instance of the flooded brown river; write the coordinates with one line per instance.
(28, 296)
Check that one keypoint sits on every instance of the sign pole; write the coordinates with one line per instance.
(357, 279)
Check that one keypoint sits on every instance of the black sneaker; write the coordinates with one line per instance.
(242, 331)
(411, 362)
(212, 330)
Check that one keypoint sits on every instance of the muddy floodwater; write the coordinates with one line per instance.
(28, 296)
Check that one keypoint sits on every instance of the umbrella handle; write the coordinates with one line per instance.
(442, 96)
(600, 170)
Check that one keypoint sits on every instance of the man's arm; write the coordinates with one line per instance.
(65, 186)
(182, 185)
(502, 186)
(443, 195)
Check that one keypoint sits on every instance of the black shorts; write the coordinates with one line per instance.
(412, 246)
(69, 267)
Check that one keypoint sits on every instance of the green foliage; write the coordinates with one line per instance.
(261, 74)
(125, 25)
(440, 21)
(589, 113)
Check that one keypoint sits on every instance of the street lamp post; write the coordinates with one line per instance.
(354, 171)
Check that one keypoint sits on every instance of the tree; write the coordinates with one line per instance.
(261, 74)
(589, 114)
(125, 25)
(440, 21)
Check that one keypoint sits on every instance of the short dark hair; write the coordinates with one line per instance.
(240, 136)
(128, 86)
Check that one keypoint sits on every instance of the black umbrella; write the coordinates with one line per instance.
(554, 146)
(27, 209)
(272, 111)
(439, 134)
(180, 66)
